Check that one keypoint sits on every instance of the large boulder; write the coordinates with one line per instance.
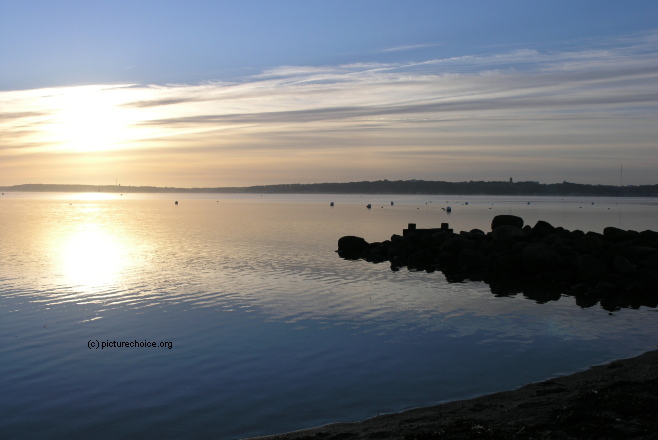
(351, 244)
(506, 219)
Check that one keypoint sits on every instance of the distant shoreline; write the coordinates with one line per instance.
(399, 187)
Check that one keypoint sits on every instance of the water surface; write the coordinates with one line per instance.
(270, 331)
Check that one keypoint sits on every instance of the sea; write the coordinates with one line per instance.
(229, 316)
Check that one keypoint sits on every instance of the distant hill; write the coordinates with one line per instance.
(377, 187)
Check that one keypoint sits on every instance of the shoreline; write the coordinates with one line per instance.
(614, 400)
(385, 187)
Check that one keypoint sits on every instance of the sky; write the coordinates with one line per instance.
(241, 93)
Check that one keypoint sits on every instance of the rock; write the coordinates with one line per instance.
(506, 219)
(605, 288)
(421, 258)
(640, 251)
(351, 244)
(437, 239)
(518, 247)
(472, 261)
(650, 265)
(457, 244)
(541, 230)
(376, 252)
(484, 245)
(447, 258)
(552, 238)
(622, 266)
(649, 238)
(398, 251)
(477, 233)
(588, 244)
(507, 233)
(591, 268)
(575, 235)
(395, 238)
(416, 237)
(616, 235)
(564, 234)
(540, 257)
(506, 263)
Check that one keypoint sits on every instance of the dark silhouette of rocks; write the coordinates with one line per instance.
(616, 269)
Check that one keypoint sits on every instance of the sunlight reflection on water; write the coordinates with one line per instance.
(91, 259)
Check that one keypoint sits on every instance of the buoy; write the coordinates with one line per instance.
(331, 204)
(368, 206)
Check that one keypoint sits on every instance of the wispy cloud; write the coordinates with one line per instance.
(410, 47)
(584, 99)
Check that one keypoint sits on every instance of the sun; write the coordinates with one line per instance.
(88, 120)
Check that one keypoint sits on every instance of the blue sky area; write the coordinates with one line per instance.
(254, 92)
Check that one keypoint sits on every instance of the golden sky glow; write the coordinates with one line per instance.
(574, 116)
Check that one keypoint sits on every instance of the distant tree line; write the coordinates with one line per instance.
(411, 187)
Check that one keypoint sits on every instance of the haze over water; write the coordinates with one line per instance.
(269, 329)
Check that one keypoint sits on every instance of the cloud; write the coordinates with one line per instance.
(20, 115)
(532, 100)
(410, 47)
(158, 102)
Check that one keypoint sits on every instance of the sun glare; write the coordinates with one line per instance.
(90, 120)
(91, 259)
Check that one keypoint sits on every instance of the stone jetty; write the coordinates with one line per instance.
(618, 268)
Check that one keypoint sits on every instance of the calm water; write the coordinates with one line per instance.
(269, 330)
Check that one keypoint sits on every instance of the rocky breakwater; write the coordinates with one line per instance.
(618, 268)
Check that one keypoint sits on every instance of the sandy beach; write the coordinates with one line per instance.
(615, 400)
